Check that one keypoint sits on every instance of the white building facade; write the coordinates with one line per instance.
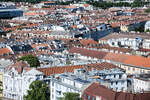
(66, 83)
(115, 79)
(141, 84)
(16, 81)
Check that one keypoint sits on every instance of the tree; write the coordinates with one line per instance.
(38, 90)
(71, 96)
(147, 10)
(139, 29)
(32, 60)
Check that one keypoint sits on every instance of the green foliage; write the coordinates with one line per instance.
(139, 3)
(139, 29)
(71, 96)
(67, 2)
(32, 60)
(147, 10)
(64, 3)
(105, 5)
(38, 91)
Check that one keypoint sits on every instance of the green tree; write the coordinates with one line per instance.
(32, 60)
(38, 90)
(71, 96)
(147, 10)
(139, 29)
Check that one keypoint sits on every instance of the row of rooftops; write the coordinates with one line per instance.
(120, 58)
(43, 17)
(100, 16)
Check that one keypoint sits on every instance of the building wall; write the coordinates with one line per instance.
(146, 44)
(140, 85)
(58, 88)
(124, 28)
(1, 84)
(15, 85)
(134, 70)
(89, 96)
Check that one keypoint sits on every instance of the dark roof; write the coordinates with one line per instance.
(21, 48)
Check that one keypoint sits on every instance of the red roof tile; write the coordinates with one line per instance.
(4, 51)
(58, 70)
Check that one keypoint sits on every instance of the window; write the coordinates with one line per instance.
(128, 68)
(122, 82)
(120, 76)
(52, 96)
(133, 69)
(114, 76)
(122, 89)
(58, 92)
(89, 97)
(116, 89)
(85, 96)
(93, 98)
(113, 43)
(116, 83)
(52, 83)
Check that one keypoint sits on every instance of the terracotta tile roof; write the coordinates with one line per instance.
(62, 69)
(107, 47)
(4, 51)
(143, 50)
(116, 57)
(86, 5)
(101, 66)
(47, 1)
(115, 25)
(58, 70)
(95, 89)
(74, 26)
(125, 35)
(89, 53)
(138, 61)
(39, 45)
(70, 6)
(20, 66)
(86, 42)
(33, 13)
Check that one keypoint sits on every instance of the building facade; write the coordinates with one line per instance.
(16, 81)
(66, 83)
(141, 83)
